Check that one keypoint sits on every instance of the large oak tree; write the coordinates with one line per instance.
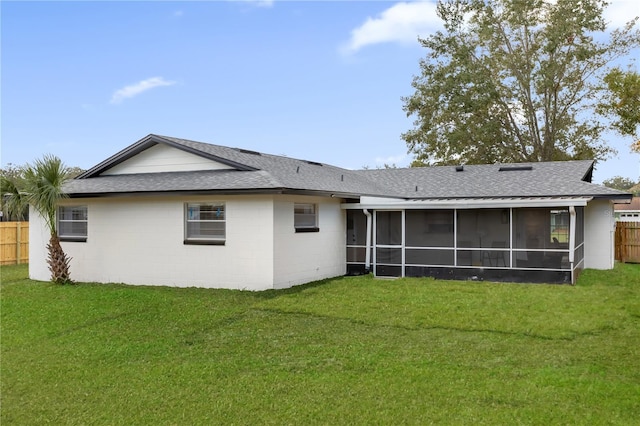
(514, 81)
(622, 102)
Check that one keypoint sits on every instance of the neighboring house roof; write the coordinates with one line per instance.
(634, 205)
(258, 172)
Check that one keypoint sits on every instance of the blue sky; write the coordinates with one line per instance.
(316, 80)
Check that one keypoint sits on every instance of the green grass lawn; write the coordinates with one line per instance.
(352, 350)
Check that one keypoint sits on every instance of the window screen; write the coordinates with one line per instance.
(72, 223)
(483, 228)
(205, 223)
(305, 217)
(388, 228)
(429, 228)
(356, 228)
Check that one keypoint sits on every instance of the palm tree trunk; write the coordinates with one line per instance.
(58, 262)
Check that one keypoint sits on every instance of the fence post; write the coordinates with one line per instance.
(18, 238)
(625, 249)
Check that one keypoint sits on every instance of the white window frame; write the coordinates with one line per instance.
(296, 217)
(208, 240)
(80, 238)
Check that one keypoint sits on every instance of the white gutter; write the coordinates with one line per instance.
(471, 203)
(367, 256)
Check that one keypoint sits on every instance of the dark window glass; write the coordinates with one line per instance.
(482, 228)
(468, 258)
(579, 225)
(541, 259)
(429, 257)
(543, 228)
(388, 228)
(578, 255)
(356, 228)
(391, 256)
(357, 255)
(388, 271)
(429, 228)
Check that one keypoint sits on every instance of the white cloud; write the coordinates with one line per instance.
(402, 23)
(619, 12)
(137, 88)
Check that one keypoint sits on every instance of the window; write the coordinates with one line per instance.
(356, 228)
(305, 217)
(429, 228)
(72, 223)
(486, 228)
(541, 238)
(389, 228)
(205, 223)
(560, 226)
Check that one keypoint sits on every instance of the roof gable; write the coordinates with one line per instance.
(161, 158)
(146, 143)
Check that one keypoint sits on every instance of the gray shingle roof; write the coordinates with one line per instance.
(261, 172)
(546, 179)
(257, 172)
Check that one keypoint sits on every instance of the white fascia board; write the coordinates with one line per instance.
(480, 203)
(368, 200)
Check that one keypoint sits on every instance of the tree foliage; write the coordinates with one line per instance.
(513, 81)
(620, 183)
(623, 103)
(40, 185)
(13, 202)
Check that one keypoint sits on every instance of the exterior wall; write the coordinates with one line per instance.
(599, 228)
(308, 256)
(38, 240)
(140, 241)
(162, 158)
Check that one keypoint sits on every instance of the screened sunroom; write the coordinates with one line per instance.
(539, 240)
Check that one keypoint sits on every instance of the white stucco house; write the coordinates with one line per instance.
(174, 212)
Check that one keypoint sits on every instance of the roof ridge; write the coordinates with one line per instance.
(252, 152)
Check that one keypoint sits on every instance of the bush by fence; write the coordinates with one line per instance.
(14, 243)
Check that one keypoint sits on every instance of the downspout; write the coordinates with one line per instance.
(367, 261)
(572, 240)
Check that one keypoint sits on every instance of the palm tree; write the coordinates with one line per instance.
(13, 199)
(42, 188)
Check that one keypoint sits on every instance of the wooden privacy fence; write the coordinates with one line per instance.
(14, 243)
(628, 242)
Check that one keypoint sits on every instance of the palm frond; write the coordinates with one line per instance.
(43, 183)
(14, 200)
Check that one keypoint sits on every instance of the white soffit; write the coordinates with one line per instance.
(472, 203)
